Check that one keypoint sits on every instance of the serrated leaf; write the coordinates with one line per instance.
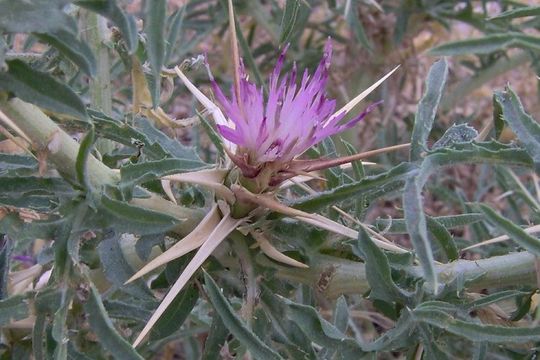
(417, 229)
(26, 185)
(155, 44)
(321, 331)
(111, 10)
(146, 243)
(524, 126)
(142, 131)
(24, 232)
(132, 310)
(48, 300)
(475, 331)
(398, 337)
(117, 269)
(498, 120)
(104, 329)
(443, 237)
(494, 298)
(72, 47)
(297, 344)
(59, 330)
(171, 146)
(13, 308)
(370, 187)
(398, 226)
(36, 15)
(136, 219)
(516, 233)
(175, 315)
(487, 44)
(256, 347)
(151, 170)
(471, 153)
(427, 108)
(456, 134)
(41, 89)
(378, 272)
(517, 13)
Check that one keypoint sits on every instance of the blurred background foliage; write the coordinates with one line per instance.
(99, 70)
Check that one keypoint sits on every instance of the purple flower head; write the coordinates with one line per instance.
(294, 116)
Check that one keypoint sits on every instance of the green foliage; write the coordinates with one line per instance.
(155, 46)
(68, 245)
(41, 89)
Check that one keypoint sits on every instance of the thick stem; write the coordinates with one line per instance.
(248, 269)
(95, 31)
(62, 149)
(333, 276)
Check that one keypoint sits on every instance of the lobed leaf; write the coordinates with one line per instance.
(41, 89)
(371, 187)
(72, 47)
(104, 329)
(494, 298)
(378, 272)
(516, 233)
(398, 226)
(13, 308)
(117, 270)
(415, 220)
(256, 347)
(427, 108)
(322, 332)
(136, 219)
(474, 331)
(172, 319)
(524, 126)
(443, 236)
(150, 170)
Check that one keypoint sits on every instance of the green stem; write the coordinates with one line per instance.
(95, 30)
(248, 269)
(62, 150)
(333, 276)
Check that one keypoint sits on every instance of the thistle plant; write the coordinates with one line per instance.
(262, 139)
(267, 234)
